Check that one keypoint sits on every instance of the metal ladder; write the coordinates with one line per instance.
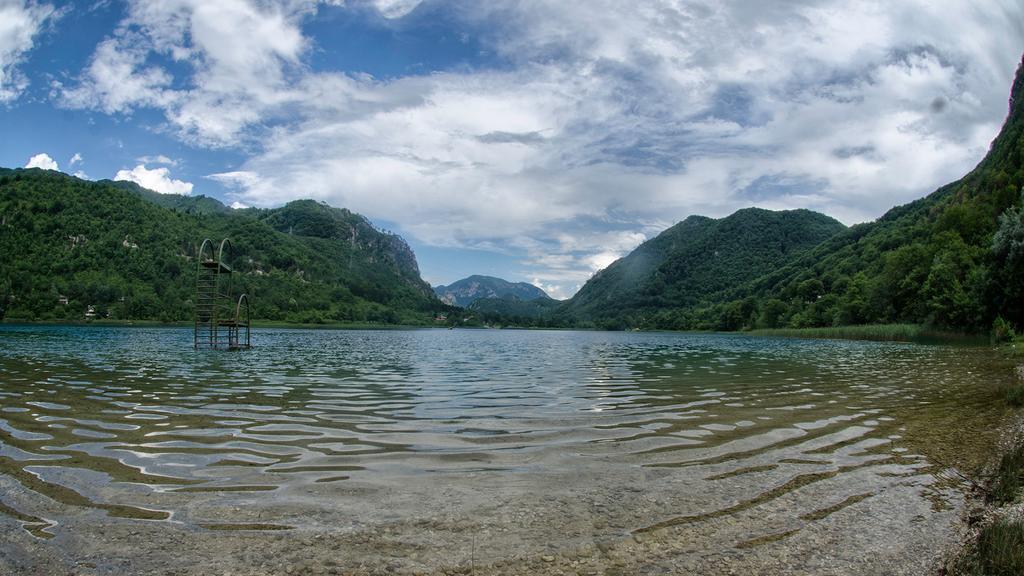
(219, 322)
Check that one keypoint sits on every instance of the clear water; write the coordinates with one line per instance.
(537, 442)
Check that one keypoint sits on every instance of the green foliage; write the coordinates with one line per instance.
(130, 253)
(1002, 332)
(514, 311)
(1008, 241)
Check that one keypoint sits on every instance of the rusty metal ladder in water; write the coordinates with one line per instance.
(220, 322)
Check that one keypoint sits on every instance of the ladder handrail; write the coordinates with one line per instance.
(220, 252)
(248, 319)
(202, 247)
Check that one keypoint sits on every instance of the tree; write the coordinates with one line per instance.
(773, 314)
(1008, 241)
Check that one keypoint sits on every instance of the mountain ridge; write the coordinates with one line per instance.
(693, 260)
(130, 253)
(476, 287)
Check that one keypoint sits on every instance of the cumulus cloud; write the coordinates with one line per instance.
(157, 180)
(605, 123)
(239, 54)
(157, 159)
(553, 290)
(43, 161)
(118, 80)
(396, 8)
(20, 23)
(76, 159)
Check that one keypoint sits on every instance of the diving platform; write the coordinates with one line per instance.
(221, 321)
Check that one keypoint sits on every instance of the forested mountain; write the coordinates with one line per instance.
(692, 262)
(954, 259)
(468, 290)
(513, 311)
(130, 253)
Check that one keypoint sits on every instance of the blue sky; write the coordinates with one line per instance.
(535, 140)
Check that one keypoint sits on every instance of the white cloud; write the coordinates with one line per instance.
(605, 123)
(157, 159)
(395, 8)
(236, 179)
(81, 175)
(553, 290)
(20, 22)
(157, 179)
(601, 260)
(118, 80)
(76, 159)
(240, 54)
(43, 161)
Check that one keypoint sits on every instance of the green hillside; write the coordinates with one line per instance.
(131, 253)
(954, 259)
(693, 261)
(511, 310)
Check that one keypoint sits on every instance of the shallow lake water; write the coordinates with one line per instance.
(122, 450)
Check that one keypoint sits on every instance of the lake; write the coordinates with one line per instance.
(122, 450)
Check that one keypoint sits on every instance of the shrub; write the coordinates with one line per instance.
(1002, 332)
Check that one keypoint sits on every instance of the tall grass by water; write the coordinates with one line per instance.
(999, 551)
(1009, 477)
(877, 332)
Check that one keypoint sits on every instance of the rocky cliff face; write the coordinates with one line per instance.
(365, 244)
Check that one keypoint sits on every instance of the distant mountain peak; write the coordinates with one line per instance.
(477, 287)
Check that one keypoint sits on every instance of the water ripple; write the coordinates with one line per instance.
(135, 423)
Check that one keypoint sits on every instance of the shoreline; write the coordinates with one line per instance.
(909, 333)
(913, 333)
(993, 524)
(184, 324)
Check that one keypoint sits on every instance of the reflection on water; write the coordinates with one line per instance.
(134, 424)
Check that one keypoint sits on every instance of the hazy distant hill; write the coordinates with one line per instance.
(468, 290)
(694, 260)
(130, 252)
